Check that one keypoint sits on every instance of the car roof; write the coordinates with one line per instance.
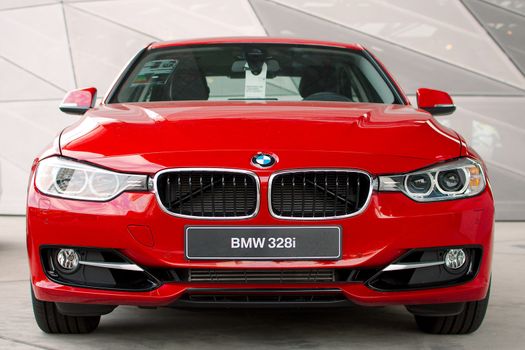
(251, 40)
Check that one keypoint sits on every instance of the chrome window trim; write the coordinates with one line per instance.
(226, 170)
(303, 170)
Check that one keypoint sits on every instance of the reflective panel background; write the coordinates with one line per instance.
(423, 43)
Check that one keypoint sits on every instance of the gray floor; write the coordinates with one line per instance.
(132, 328)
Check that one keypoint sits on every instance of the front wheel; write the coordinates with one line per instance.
(50, 320)
(467, 321)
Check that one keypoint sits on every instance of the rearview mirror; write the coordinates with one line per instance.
(240, 66)
(79, 101)
(435, 102)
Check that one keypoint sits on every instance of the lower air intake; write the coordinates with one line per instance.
(262, 276)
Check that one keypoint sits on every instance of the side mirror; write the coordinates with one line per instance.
(435, 102)
(79, 101)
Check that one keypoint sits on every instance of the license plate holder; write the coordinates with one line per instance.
(262, 242)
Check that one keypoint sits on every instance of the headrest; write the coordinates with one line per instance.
(318, 79)
(188, 82)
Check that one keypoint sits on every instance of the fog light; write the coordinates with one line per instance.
(455, 258)
(67, 259)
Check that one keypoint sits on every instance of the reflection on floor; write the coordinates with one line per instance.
(390, 327)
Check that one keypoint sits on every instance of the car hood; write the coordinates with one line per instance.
(148, 137)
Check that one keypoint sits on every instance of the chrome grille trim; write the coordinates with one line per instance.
(218, 170)
(313, 170)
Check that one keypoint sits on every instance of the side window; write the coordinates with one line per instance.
(375, 82)
(357, 92)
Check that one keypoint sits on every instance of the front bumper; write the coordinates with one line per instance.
(391, 225)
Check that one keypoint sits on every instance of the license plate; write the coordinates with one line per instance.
(263, 243)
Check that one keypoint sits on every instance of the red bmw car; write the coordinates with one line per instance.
(258, 172)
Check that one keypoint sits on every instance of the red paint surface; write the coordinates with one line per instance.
(428, 98)
(83, 98)
(148, 137)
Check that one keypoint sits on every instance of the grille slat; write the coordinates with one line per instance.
(357, 193)
(212, 195)
(223, 183)
(336, 196)
(262, 276)
(347, 192)
(168, 193)
(321, 195)
(234, 196)
(245, 196)
(190, 195)
(202, 188)
(315, 195)
(208, 193)
(179, 189)
(325, 195)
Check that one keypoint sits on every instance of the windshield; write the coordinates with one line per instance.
(255, 72)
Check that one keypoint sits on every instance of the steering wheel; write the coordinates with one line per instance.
(327, 96)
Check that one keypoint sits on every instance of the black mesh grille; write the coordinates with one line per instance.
(208, 193)
(265, 299)
(247, 276)
(318, 194)
(262, 276)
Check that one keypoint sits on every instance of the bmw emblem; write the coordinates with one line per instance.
(263, 160)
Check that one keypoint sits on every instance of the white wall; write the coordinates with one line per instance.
(48, 47)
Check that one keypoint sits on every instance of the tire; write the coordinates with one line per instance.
(466, 322)
(49, 320)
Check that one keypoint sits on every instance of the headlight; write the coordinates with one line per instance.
(457, 179)
(66, 178)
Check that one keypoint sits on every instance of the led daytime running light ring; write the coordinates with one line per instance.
(92, 187)
(462, 190)
(59, 190)
(417, 194)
